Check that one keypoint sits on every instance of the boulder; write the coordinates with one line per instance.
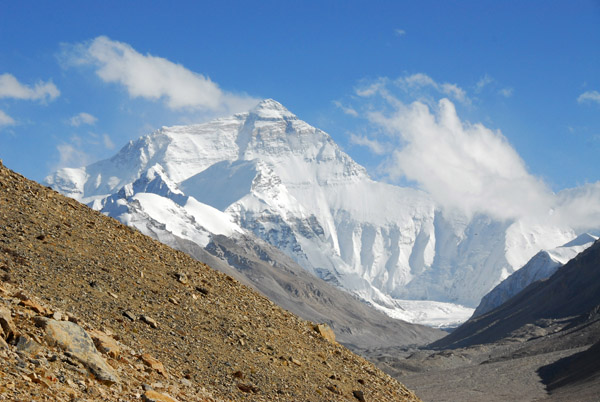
(326, 332)
(74, 340)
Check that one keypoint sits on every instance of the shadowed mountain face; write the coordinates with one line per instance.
(277, 276)
(574, 290)
(261, 266)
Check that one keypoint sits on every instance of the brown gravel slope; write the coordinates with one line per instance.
(216, 338)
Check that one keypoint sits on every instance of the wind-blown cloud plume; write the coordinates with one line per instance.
(470, 168)
(10, 87)
(152, 77)
(463, 166)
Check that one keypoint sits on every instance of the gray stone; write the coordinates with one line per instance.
(29, 346)
(73, 339)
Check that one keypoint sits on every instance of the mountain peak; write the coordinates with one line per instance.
(270, 109)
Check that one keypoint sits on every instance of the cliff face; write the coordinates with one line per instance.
(181, 330)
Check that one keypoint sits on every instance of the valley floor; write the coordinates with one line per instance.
(512, 380)
(559, 366)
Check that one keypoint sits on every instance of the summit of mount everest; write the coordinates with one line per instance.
(269, 174)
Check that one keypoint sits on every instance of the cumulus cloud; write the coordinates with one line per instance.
(6, 120)
(468, 167)
(400, 32)
(373, 145)
(463, 166)
(10, 87)
(152, 77)
(589, 97)
(82, 118)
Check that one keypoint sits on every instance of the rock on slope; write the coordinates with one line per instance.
(541, 266)
(288, 183)
(185, 330)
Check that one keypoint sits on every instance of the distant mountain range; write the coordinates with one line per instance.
(570, 295)
(541, 266)
(270, 175)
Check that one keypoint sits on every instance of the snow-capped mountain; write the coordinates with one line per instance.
(541, 266)
(271, 174)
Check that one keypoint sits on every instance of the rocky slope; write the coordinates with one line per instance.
(356, 324)
(276, 177)
(93, 310)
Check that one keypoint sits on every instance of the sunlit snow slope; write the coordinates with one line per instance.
(271, 174)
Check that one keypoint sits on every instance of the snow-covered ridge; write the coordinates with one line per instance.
(274, 175)
(540, 266)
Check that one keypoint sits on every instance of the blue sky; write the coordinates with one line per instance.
(528, 71)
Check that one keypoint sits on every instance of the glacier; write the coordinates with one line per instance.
(272, 175)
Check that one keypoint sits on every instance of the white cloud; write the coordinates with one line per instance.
(82, 118)
(421, 81)
(418, 80)
(6, 120)
(374, 146)
(483, 82)
(400, 32)
(454, 91)
(70, 156)
(589, 96)
(579, 207)
(154, 78)
(373, 88)
(463, 166)
(10, 87)
(348, 110)
(467, 168)
(108, 144)
(506, 92)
